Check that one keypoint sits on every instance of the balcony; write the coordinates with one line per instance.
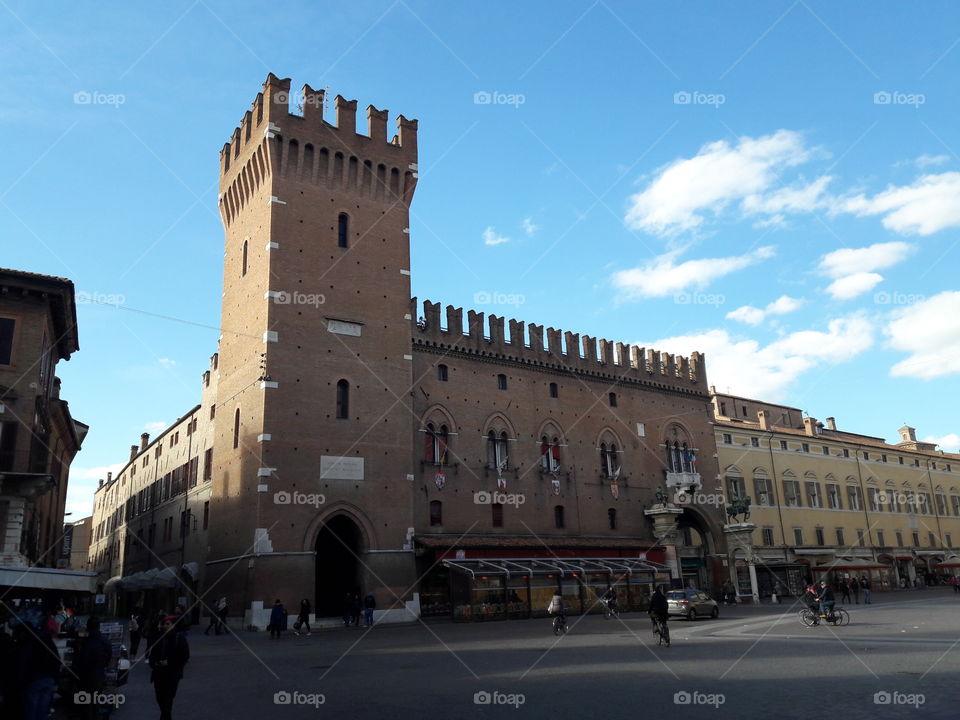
(690, 481)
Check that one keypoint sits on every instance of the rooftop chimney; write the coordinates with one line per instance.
(133, 451)
(144, 441)
(810, 425)
(100, 484)
(109, 477)
(831, 423)
(762, 417)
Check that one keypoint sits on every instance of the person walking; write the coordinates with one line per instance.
(845, 590)
(168, 656)
(347, 609)
(369, 605)
(865, 586)
(38, 665)
(278, 619)
(729, 596)
(90, 666)
(356, 608)
(136, 631)
(956, 584)
(217, 617)
(303, 619)
(855, 589)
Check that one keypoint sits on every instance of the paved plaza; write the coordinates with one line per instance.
(897, 657)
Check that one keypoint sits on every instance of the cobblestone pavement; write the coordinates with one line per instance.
(897, 658)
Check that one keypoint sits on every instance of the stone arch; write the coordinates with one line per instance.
(498, 422)
(438, 413)
(556, 431)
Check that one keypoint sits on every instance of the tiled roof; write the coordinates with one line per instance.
(33, 276)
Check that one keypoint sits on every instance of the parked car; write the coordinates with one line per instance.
(691, 604)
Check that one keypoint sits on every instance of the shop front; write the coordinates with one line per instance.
(484, 589)
(843, 568)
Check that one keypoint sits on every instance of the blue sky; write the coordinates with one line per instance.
(774, 183)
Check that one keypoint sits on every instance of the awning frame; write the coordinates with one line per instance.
(508, 567)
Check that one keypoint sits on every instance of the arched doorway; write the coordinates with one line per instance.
(339, 544)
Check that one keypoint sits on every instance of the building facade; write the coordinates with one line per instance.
(38, 436)
(352, 440)
(829, 504)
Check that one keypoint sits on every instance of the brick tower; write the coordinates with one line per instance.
(313, 449)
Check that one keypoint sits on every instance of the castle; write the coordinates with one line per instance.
(348, 439)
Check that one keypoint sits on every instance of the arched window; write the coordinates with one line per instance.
(612, 517)
(501, 382)
(436, 513)
(609, 463)
(343, 400)
(554, 391)
(236, 428)
(343, 227)
(496, 450)
(435, 450)
(549, 454)
(612, 397)
(243, 268)
(442, 373)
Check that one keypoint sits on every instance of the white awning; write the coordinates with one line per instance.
(112, 584)
(192, 568)
(562, 566)
(48, 579)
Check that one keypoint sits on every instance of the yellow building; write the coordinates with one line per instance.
(830, 504)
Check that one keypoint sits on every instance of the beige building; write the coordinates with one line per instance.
(828, 503)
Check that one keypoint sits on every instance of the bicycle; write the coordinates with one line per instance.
(560, 626)
(662, 630)
(610, 610)
(837, 617)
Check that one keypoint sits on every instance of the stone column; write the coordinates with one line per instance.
(740, 537)
(665, 530)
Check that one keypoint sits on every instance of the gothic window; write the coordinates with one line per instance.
(436, 444)
(612, 397)
(554, 391)
(549, 454)
(496, 449)
(609, 462)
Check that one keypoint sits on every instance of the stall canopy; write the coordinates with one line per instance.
(951, 561)
(48, 579)
(849, 564)
(509, 567)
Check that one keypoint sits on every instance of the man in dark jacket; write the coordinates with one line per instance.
(369, 605)
(38, 665)
(278, 619)
(168, 656)
(90, 665)
(658, 608)
(826, 598)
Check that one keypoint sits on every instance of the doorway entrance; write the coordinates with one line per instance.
(339, 544)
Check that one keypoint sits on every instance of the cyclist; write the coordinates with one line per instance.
(809, 598)
(658, 608)
(826, 599)
(610, 600)
(556, 608)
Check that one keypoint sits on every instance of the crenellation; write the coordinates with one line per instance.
(606, 352)
(623, 356)
(377, 123)
(475, 328)
(589, 349)
(669, 367)
(312, 102)
(407, 133)
(536, 337)
(245, 126)
(496, 332)
(455, 322)
(653, 362)
(555, 343)
(572, 341)
(431, 315)
(683, 367)
(346, 113)
(517, 336)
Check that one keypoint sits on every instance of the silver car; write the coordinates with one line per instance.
(691, 604)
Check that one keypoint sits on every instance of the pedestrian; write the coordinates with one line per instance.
(355, 610)
(167, 658)
(136, 631)
(779, 591)
(217, 617)
(347, 609)
(369, 605)
(38, 665)
(955, 583)
(845, 590)
(90, 666)
(303, 619)
(223, 611)
(865, 586)
(278, 619)
(855, 589)
(728, 593)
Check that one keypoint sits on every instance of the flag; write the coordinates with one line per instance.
(556, 487)
(615, 490)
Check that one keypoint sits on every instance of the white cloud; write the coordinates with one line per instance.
(930, 204)
(925, 161)
(719, 175)
(81, 486)
(662, 276)
(930, 332)
(747, 368)
(948, 443)
(852, 269)
(491, 238)
(167, 363)
(754, 316)
(529, 227)
(851, 286)
(155, 427)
